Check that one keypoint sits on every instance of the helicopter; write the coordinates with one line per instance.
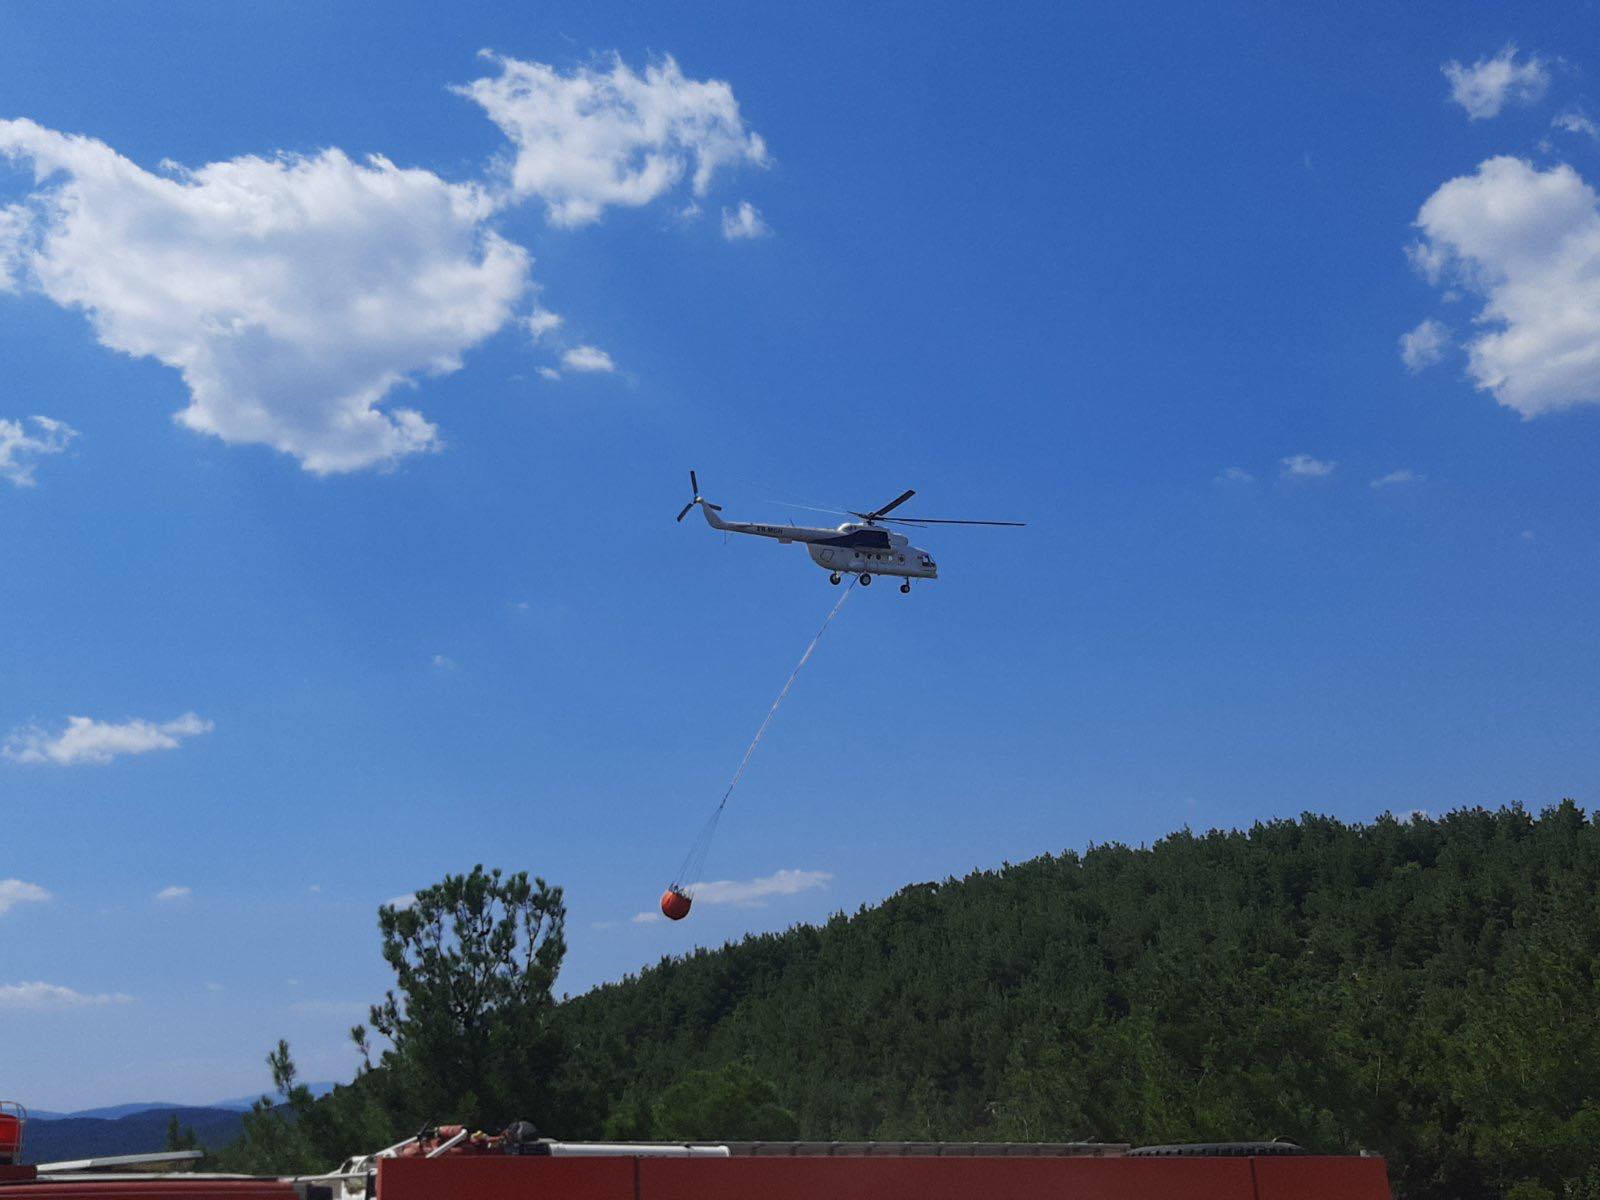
(862, 547)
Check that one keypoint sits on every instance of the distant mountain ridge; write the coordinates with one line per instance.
(133, 1128)
(115, 1112)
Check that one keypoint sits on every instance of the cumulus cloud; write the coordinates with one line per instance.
(587, 358)
(85, 740)
(51, 997)
(1489, 84)
(15, 891)
(297, 294)
(20, 448)
(1403, 475)
(293, 293)
(603, 136)
(401, 902)
(1424, 345)
(168, 894)
(743, 223)
(1234, 475)
(1303, 466)
(1527, 242)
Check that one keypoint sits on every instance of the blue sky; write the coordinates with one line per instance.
(1137, 276)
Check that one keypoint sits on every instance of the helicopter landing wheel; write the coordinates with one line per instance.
(834, 579)
(905, 588)
(866, 579)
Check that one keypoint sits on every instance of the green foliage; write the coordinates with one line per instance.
(475, 960)
(733, 1103)
(469, 1027)
(1426, 988)
(180, 1137)
(1429, 989)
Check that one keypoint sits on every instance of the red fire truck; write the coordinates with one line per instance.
(451, 1163)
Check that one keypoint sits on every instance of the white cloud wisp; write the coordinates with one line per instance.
(52, 997)
(747, 893)
(590, 359)
(1424, 346)
(744, 224)
(1395, 478)
(788, 882)
(20, 449)
(1303, 466)
(15, 891)
(1489, 84)
(85, 740)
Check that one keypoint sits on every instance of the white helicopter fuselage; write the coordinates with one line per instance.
(848, 549)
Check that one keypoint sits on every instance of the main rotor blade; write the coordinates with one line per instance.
(838, 512)
(694, 486)
(939, 521)
(893, 504)
(685, 511)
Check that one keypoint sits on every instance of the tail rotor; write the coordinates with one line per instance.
(694, 488)
(694, 491)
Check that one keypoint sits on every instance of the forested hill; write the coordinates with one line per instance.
(1425, 988)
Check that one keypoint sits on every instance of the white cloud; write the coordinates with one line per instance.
(168, 894)
(1489, 84)
(1527, 242)
(754, 891)
(1424, 345)
(646, 917)
(600, 136)
(587, 358)
(14, 892)
(1575, 122)
(50, 997)
(405, 901)
(19, 448)
(744, 223)
(542, 321)
(293, 293)
(1234, 475)
(1303, 466)
(549, 373)
(88, 741)
(13, 231)
(443, 662)
(343, 1009)
(1403, 475)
